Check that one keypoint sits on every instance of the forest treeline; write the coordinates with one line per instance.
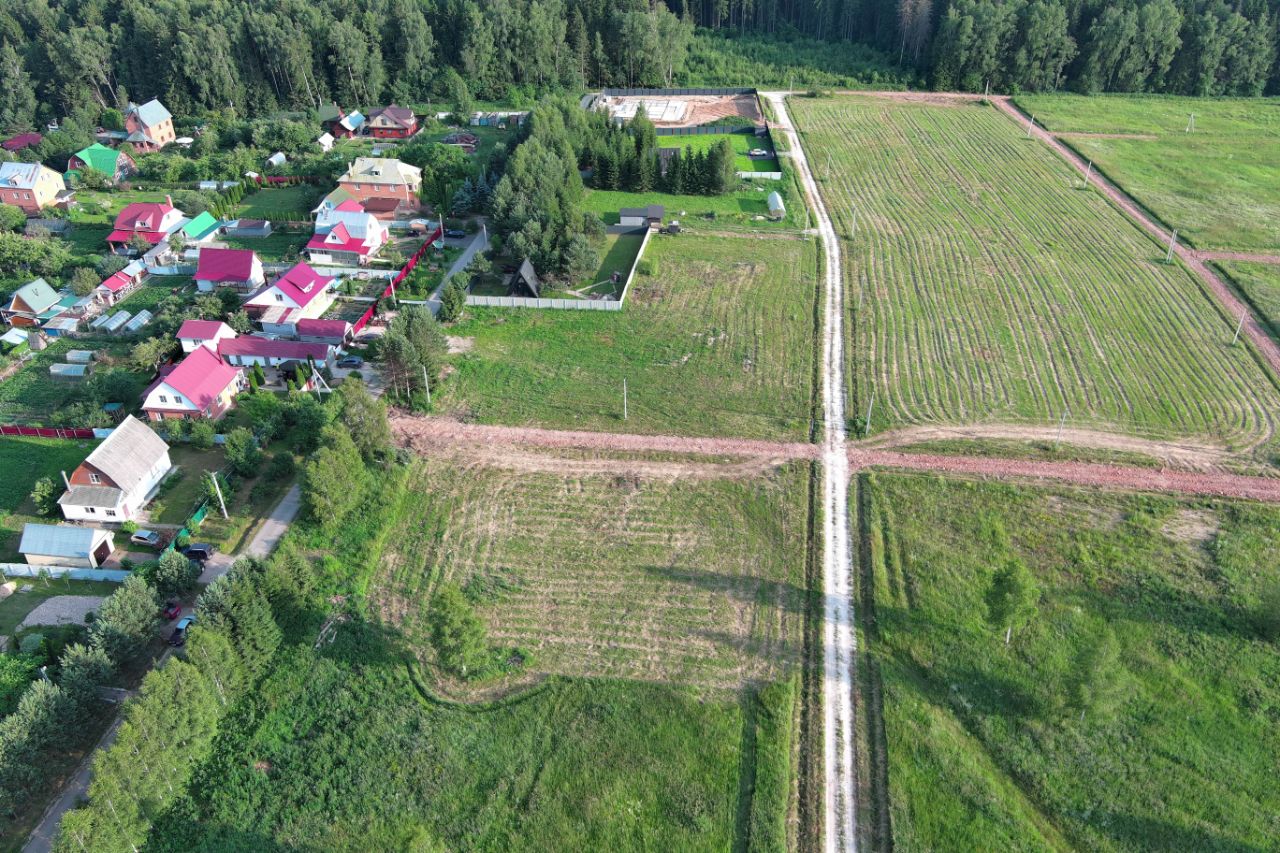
(72, 59)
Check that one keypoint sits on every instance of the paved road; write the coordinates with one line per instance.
(264, 541)
(480, 241)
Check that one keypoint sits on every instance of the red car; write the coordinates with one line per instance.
(172, 610)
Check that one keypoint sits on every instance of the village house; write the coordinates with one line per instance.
(151, 220)
(240, 269)
(392, 122)
(30, 186)
(193, 334)
(339, 124)
(382, 177)
(201, 386)
(120, 284)
(250, 350)
(116, 165)
(300, 294)
(149, 126)
(346, 234)
(201, 229)
(30, 304)
(15, 144)
(66, 545)
(119, 477)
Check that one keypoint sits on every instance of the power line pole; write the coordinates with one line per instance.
(1061, 423)
(1173, 241)
(1031, 122)
(624, 398)
(1087, 173)
(1191, 123)
(426, 383)
(1239, 326)
(218, 489)
(866, 425)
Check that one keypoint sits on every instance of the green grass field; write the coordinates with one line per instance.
(299, 198)
(1219, 185)
(1260, 283)
(988, 746)
(607, 568)
(281, 245)
(23, 461)
(88, 238)
(102, 206)
(616, 255)
(742, 143)
(718, 341)
(992, 290)
(735, 210)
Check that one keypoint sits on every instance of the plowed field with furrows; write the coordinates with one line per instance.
(697, 580)
(986, 285)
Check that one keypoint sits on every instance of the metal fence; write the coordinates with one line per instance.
(711, 130)
(554, 304)
(732, 90)
(770, 176)
(22, 570)
(48, 432)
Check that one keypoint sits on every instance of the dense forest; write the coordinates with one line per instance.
(73, 58)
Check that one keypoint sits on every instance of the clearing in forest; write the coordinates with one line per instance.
(716, 338)
(647, 568)
(987, 286)
(1217, 183)
(1110, 722)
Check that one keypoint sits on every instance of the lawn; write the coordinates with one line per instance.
(1260, 283)
(279, 201)
(671, 571)
(102, 206)
(741, 142)
(1172, 744)
(719, 340)
(88, 238)
(23, 461)
(735, 210)
(984, 287)
(616, 255)
(1219, 185)
(281, 245)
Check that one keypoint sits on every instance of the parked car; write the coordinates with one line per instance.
(199, 552)
(179, 635)
(455, 233)
(351, 361)
(172, 609)
(145, 537)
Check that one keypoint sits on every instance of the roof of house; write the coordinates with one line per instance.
(151, 113)
(330, 111)
(202, 226)
(99, 157)
(653, 211)
(527, 275)
(101, 496)
(350, 205)
(352, 121)
(272, 348)
(381, 170)
(339, 239)
(22, 140)
(323, 328)
(59, 540)
(225, 265)
(15, 336)
(37, 295)
(128, 453)
(201, 377)
(203, 330)
(402, 116)
(143, 216)
(382, 204)
(301, 283)
(22, 176)
(117, 281)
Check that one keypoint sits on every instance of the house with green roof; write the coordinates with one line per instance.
(116, 165)
(201, 229)
(29, 303)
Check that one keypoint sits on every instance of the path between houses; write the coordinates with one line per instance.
(265, 539)
(480, 241)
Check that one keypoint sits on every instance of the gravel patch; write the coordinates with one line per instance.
(62, 610)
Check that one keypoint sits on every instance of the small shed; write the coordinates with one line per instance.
(80, 356)
(249, 228)
(13, 338)
(776, 208)
(524, 281)
(65, 545)
(640, 217)
(325, 141)
(61, 326)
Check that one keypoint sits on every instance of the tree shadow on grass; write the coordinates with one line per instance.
(743, 589)
(1137, 832)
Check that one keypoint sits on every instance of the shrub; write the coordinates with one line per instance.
(45, 496)
(32, 644)
(202, 433)
(647, 266)
(130, 527)
(457, 634)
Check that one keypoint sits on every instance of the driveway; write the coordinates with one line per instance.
(264, 541)
(478, 242)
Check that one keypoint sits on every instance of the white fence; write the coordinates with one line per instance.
(562, 304)
(22, 570)
(769, 176)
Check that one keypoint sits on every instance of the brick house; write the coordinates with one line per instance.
(30, 186)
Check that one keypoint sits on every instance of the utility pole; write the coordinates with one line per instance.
(1087, 173)
(624, 398)
(866, 425)
(1173, 241)
(1191, 123)
(426, 383)
(986, 92)
(1031, 122)
(218, 489)
(1061, 423)
(1239, 326)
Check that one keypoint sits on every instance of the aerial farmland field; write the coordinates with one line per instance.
(717, 340)
(1134, 711)
(1260, 283)
(1218, 184)
(993, 288)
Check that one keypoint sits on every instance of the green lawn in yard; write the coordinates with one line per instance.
(616, 255)
(278, 201)
(184, 488)
(735, 210)
(1219, 185)
(281, 245)
(1261, 284)
(718, 340)
(985, 288)
(741, 142)
(102, 206)
(16, 607)
(23, 461)
(88, 238)
(1000, 748)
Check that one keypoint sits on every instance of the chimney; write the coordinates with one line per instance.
(65, 480)
(169, 200)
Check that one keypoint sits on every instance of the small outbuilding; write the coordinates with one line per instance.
(277, 159)
(641, 217)
(79, 356)
(66, 545)
(776, 208)
(524, 281)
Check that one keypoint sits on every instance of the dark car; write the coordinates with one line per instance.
(455, 233)
(179, 635)
(198, 552)
(351, 361)
(172, 609)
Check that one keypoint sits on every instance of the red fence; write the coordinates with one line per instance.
(46, 432)
(395, 282)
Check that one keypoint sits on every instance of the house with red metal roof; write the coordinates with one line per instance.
(335, 332)
(392, 123)
(201, 386)
(22, 140)
(248, 350)
(346, 234)
(153, 221)
(237, 268)
(120, 284)
(193, 334)
(301, 293)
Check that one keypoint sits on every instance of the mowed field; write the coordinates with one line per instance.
(1219, 184)
(718, 340)
(1169, 743)
(1260, 283)
(662, 570)
(992, 289)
